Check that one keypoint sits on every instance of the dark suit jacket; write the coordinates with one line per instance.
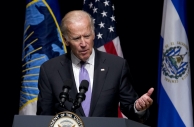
(109, 87)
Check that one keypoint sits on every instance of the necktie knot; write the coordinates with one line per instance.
(82, 63)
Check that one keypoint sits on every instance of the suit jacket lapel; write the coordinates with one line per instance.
(100, 71)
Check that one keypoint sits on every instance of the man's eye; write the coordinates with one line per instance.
(87, 36)
(76, 38)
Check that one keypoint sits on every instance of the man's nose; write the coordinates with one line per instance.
(83, 42)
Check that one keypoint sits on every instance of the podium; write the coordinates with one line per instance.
(44, 121)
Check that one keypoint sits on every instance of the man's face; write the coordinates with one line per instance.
(80, 39)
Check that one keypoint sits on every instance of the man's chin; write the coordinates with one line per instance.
(85, 57)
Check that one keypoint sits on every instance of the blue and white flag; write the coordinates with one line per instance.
(42, 41)
(174, 82)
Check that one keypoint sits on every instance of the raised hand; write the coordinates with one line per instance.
(145, 101)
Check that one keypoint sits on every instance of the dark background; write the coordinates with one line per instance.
(138, 26)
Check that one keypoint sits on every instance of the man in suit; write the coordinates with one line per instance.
(109, 76)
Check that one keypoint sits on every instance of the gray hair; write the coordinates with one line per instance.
(74, 16)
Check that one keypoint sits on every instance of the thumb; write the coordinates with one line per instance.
(150, 91)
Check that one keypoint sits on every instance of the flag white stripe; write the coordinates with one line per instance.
(117, 45)
(102, 48)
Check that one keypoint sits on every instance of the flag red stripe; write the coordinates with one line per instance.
(119, 113)
(110, 48)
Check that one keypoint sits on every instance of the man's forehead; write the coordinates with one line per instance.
(77, 34)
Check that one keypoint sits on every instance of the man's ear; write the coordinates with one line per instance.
(93, 36)
(65, 41)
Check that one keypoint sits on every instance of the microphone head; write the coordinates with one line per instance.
(84, 85)
(68, 84)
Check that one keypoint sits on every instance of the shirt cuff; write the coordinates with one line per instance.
(141, 113)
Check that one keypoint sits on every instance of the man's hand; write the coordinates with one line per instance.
(145, 101)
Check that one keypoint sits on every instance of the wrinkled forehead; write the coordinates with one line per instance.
(77, 31)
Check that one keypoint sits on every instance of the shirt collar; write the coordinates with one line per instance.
(90, 60)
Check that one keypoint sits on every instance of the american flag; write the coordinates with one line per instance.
(106, 38)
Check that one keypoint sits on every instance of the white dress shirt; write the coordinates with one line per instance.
(89, 67)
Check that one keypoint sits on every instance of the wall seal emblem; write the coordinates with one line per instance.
(174, 65)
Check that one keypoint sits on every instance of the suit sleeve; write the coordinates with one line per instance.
(128, 95)
(45, 98)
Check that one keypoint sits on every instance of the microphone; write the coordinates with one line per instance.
(65, 94)
(82, 90)
(81, 95)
